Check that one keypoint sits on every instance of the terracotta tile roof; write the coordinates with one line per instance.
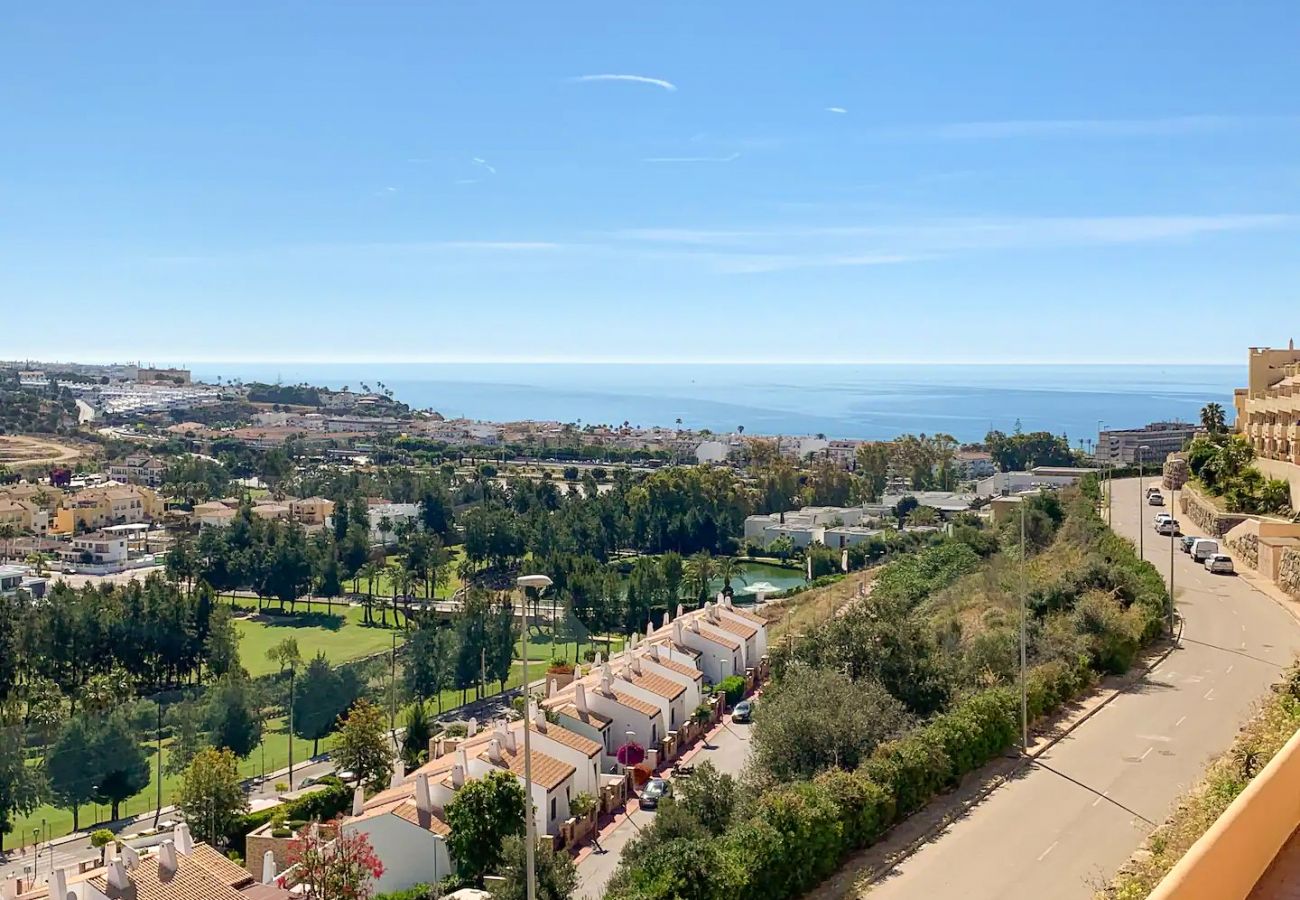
(548, 771)
(636, 703)
(746, 614)
(562, 735)
(725, 640)
(223, 868)
(257, 891)
(590, 717)
(680, 668)
(190, 881)
(657, 684)
(740, 628)
(428, 821)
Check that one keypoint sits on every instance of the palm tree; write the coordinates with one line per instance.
(700, 571)
(7, 533)
(728, 569)
(402, 581)
(370, 572)
(385, 528)
(1212, 418)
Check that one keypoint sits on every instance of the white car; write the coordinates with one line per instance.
(1167, 526)
(1161, 518)
(1220, 564)
(1156, 499)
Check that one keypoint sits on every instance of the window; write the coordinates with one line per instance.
(654, 732)
(672, 717)
(552, 808)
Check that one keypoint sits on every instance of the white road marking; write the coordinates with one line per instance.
(1243, 626)
(1104, 795)
(1146, 754)
(1229, 670)
(1209, 695)
(1180, 721)
(1043, 855)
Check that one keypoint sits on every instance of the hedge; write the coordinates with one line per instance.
(318, 805)
(734, 687)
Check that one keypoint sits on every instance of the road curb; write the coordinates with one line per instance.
(1022, 761)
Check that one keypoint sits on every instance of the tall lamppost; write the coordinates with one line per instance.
(539, 583)
(1173, 500)
(1024, 685)
(1105, 472)
(1142, 454)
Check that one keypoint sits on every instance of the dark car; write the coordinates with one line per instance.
(655, 790)
(1188, 540)
(743, 711)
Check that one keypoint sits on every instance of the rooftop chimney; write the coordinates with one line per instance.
(117, 876)
(677, 631)
(58, 885)
(423, 799)
(167, 859)
(539, 720)
(695, 625)
(268, 867)
(649, 628)
(130, 856)
(399, 773)
(606, 686)
(654, 652)
(636, 664)
(462, 758)
(510, 742)
(678, 615)
(494, 751)
(457, 776)
(668, 617)
(580, 697)
(596, 663)
(358, 801)
(184, 840)
(551, 687)
(471, 728)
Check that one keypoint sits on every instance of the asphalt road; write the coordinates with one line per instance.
(728, 752)
(1073, 817)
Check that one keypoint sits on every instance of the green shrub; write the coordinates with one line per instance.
(734, 687)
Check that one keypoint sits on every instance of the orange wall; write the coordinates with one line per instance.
(1229, 858)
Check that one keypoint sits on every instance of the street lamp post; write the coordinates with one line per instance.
(1173, 501)
(540, 583)
(1142, 450)
(1024, 688)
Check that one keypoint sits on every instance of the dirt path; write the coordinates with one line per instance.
(20, 450)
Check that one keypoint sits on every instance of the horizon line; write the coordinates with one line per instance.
(651, 361)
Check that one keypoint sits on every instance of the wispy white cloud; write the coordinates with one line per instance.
(692, 159)
(465, 181)
(483, 163)
(639, 79)
(1163, 126)
(523, 246)
(781, 248)
(836, 109)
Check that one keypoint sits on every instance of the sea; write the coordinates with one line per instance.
(837, 400)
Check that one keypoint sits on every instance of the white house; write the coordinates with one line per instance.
(408, 834)
(657, 660)
(627, 712)
(720, 653)
(666, 693)
(394, 514)
(576, 715)
(712, 452)
(99, 548)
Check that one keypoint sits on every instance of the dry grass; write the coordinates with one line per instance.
(17, 450)
(800, 612)
(1272, 726)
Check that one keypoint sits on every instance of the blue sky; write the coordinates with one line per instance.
(855, 181)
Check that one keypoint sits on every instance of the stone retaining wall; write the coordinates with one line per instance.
(1288, 577)
(1207, 518)
(1246, 549)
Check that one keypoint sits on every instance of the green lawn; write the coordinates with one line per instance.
(333, 629)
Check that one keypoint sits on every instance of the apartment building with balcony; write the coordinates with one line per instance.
(1268, 413)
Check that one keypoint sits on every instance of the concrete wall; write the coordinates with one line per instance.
(410, 854)
(1275, 468)
(1237, 849)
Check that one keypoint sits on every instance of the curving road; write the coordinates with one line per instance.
(1076, 814)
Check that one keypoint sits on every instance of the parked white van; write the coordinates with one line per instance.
(1204, 549)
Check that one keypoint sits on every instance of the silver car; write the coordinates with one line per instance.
(1219, 564)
